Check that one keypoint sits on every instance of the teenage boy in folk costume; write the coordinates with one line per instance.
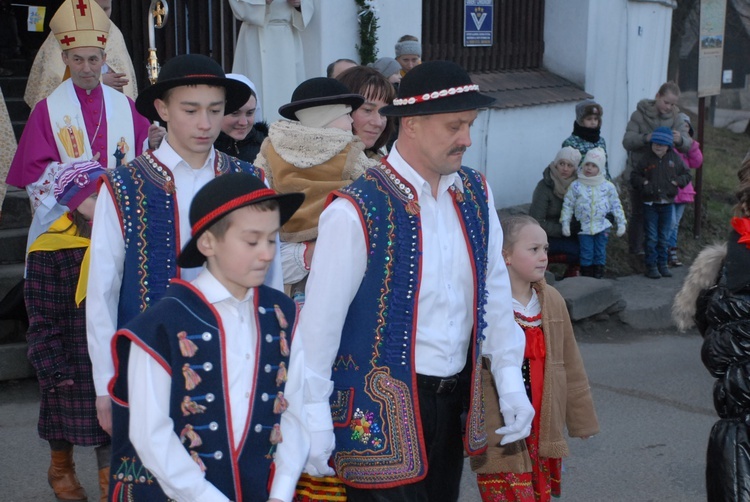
(407, 291)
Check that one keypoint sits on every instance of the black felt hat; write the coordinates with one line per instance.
(319, 91)
(436, 87)
(221, 196)
(191, 69)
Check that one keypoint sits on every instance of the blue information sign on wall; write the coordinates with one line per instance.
(478, 25)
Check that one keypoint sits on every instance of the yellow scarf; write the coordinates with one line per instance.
(62, 235)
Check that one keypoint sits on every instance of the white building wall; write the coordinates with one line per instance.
(512, 147)
(630, 63)
(617, 50)
(566, 38)
(334, 33)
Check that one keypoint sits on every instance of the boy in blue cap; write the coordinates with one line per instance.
(657, 177)
(201, 374)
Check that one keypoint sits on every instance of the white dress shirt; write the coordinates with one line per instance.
(152, 430)
(108, 257)
(445, 303)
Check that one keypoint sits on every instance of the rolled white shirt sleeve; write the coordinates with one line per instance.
(336, 272)
(504, 340)
(153, 437)
(293, 261)
(103, 291)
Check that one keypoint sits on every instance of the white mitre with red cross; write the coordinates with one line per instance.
(80, 23)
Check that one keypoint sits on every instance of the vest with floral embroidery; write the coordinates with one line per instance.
(379, 442)
(184, 334)
(144, 195)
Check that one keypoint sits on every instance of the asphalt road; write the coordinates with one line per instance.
(653, 398)
(652, 395)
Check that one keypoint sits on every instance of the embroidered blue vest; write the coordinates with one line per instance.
(379, 442)
(144, 195)
(184, 333)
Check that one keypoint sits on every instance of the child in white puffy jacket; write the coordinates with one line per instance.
(590, 198)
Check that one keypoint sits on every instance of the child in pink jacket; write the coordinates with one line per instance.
(693, 159)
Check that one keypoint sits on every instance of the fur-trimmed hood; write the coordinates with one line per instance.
(306, 147)
(702, 275)
(314, 161)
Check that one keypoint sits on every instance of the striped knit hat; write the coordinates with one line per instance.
(662, 136)
(76, 183)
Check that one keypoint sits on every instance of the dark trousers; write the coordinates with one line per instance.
(441, 426)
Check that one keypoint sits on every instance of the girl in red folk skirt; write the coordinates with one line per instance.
(529, 470)
(54, 289)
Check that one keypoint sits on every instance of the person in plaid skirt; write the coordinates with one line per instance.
(57, 348)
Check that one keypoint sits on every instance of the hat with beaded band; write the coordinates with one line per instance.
(436, 87)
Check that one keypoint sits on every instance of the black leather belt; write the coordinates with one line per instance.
(438, 385)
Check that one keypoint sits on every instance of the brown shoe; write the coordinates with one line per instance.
(104, 484)
(62, 476)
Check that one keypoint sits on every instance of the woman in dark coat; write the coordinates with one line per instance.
(546, 206)
(240, 135)
(716, 296)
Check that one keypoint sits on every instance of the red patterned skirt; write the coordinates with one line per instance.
(543, 481)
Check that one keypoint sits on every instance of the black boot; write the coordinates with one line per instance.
(664, 270)
(587, 270)
(598, 271)
(652, 272)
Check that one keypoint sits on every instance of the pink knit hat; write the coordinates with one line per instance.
(76, 183)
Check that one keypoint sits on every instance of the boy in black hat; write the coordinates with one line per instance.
(312, 150)
(407, 292)
(201, 375)
(142, 211)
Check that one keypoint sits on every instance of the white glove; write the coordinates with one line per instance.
(620, 230)
(566, 230)
(517, 413)
(322, 444)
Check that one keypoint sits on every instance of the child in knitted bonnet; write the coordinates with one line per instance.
(590, 198)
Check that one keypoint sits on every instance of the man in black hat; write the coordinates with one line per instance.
(142, 219)
(407, 292)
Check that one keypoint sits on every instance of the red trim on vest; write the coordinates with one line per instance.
(113, 348)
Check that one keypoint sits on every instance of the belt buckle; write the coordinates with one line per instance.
(446, 385)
